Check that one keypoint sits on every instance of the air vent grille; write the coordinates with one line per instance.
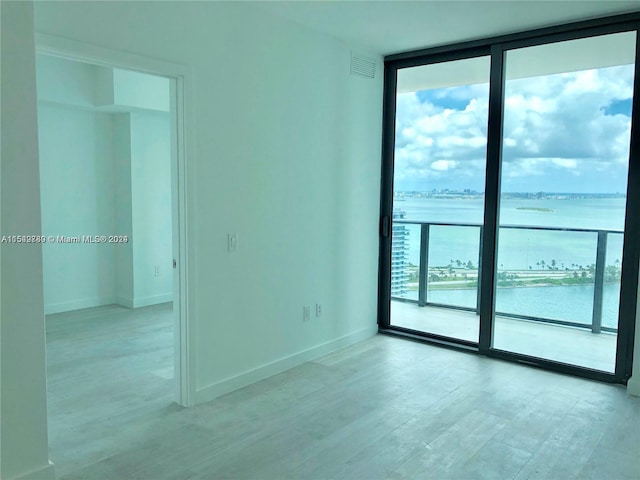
(362, 66)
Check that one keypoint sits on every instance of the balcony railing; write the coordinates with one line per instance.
(426, 274)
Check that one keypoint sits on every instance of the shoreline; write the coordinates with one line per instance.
(530, 285)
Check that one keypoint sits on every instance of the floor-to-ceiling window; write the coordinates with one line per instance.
(510, 197)
(438, 200)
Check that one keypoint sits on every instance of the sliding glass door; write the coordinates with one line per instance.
(565, 162)
(438, 199)
(510, 205)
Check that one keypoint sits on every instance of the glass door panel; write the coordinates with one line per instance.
(566, 137)
(438, 196)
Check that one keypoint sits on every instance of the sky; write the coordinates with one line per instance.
(566, 132)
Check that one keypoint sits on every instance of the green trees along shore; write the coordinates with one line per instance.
(459, 274)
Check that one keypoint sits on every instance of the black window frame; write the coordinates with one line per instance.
(497, 48)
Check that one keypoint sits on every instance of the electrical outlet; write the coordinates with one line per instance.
(318, 310)
(306, 313)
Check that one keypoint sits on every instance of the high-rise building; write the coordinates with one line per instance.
(399, 262)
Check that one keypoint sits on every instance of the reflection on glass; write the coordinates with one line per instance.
(562, 205)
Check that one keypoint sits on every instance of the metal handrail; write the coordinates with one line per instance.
(601, 248)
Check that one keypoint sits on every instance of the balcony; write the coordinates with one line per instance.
(579, 327)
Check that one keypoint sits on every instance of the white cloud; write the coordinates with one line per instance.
(553, 125)
(443, 165)
(565, 162)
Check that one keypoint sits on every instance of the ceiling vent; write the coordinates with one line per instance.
(362, 66)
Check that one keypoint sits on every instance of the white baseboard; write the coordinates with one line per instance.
(152, 300)
(48, 472)
(633, 385)
(124, 301)
(99, 301)
(78, 304)
(211, 392)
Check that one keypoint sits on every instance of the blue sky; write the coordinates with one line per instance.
(567, 132)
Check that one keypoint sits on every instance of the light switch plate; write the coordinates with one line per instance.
(232, 242)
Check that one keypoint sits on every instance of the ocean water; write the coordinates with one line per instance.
(598, 213)
(524, 249)
(569, 303)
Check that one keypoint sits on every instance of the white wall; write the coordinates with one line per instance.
(143, 208)
(66, 82)
(104, 174)
(285, 152)
(124, 225)
(23, 428)
(135, 89)
(151, 207)
(77, 187)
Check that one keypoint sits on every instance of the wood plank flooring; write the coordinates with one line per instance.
(383, 408)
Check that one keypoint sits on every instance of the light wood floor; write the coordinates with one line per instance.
(384, 408)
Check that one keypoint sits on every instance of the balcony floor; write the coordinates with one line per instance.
(553, 342)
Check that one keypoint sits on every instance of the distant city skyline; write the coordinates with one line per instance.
(563, 132)
(471, 192)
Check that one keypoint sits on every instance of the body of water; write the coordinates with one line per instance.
(524, 249)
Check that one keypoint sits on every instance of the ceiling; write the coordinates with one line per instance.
(384, 27)
(568, 56)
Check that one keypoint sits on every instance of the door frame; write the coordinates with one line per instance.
(498, 46)
(181, 77)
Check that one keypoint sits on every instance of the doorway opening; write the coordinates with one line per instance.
(111, 174)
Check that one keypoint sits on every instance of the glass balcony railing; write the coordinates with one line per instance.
(563, 276)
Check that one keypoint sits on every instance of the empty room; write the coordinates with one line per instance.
(105, 163)
(386, 240)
